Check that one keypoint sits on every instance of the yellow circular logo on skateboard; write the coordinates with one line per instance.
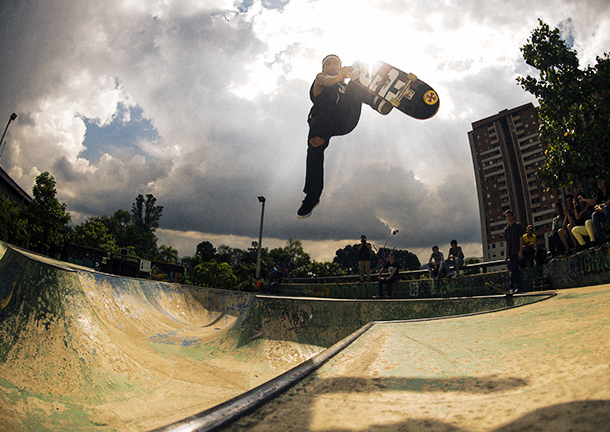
(430, 97)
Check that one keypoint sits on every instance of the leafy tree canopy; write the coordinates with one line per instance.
(47, 218)
(293, 257)
(167, 254)
(146, 213)
(12, 225)
(347, 258)
(94, 233)
(213, 274)
(206, 250)
(574, 113)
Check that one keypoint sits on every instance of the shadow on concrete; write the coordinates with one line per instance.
(309, 390)
(473, 385)
(592, 415)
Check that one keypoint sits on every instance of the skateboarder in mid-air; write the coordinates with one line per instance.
(336, 111)
(337, 107)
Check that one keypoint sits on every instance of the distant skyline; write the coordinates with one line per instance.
(204, 105)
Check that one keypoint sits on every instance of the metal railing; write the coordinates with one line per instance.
(482, 266)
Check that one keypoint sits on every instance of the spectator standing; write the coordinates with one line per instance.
(513, 250)
(364, 259)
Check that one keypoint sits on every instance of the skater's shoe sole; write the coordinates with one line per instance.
(304, 213)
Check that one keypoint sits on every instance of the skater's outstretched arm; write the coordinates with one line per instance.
(332, 74)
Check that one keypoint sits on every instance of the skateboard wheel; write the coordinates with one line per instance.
(384, 108)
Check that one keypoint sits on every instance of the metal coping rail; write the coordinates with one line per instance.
(233, 409)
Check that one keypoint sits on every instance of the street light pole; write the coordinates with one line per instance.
(11, 118)
(262, 200)
(393, 234)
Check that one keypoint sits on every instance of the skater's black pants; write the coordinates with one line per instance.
(340, 119)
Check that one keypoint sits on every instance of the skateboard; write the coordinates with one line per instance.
(394, 88)
(500, 290)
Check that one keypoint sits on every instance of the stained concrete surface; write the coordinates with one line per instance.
(81, 350)
(544, 367)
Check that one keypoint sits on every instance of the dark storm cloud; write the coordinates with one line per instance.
(205, 105)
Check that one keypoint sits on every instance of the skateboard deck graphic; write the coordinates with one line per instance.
(397, 89)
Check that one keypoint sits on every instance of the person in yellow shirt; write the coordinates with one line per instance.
(529, 247)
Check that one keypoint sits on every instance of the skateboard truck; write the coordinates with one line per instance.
(396, 101)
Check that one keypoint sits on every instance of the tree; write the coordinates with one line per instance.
(146, 213)
(325, 269)
(117, 226)
(407, 260)
(246, 275)
(47, 217)
(94, 233)
(298, 260)
(574, 109)
(12, 224)
(142, 239)
(214, 275)
(145, 220)
(168, 254)
(134, 232)
(229, 255)
(347, 258)
(206, 250)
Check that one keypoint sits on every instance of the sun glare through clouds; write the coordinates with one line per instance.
(305, 32)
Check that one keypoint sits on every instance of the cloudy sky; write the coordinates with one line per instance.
(203, 103)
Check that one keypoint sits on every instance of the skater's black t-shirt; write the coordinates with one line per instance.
(329, 97)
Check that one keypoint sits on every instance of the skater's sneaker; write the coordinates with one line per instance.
(309, 203)
(382, 106)
(378, 104)
(369, 99)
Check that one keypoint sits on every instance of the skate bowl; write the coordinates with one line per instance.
(544, 367)
(82, 350)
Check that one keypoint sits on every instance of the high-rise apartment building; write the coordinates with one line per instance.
(506, 151)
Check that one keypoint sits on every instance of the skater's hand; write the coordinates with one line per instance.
(346, 71)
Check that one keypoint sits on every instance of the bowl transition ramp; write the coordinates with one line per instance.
(81, 350)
